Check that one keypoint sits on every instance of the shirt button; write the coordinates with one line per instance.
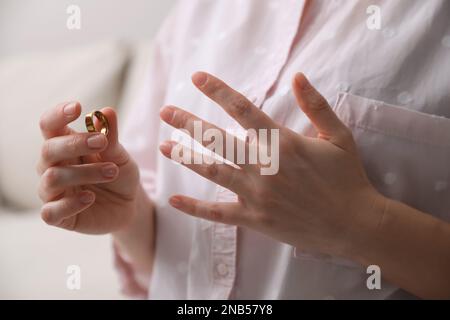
(222, 269)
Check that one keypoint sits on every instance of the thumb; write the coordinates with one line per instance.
(317, 109)
(114, 152)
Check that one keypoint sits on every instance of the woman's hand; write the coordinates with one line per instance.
(320, 200)
(88, 182)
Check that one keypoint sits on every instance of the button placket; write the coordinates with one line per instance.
(224, 237)
(223, 259)
(282, 54)
(224, 246)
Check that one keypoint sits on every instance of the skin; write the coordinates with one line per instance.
(93, 187)
(321, 199)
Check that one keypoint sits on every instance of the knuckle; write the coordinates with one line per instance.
(240, 106)
(50, 177)
(45, 150)
(213, 86)
(320, 104)
(212, 171)
(39, 168)
(74, 144)
(310, 93)
(182, 119)
(46, 215)
(317, 100)
(267, 221)
(68, 205)
(215, 213)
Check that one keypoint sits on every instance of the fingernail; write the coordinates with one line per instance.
(301, 81)
(166, 148)
(167, 114)
(109, 171)
(96, 141)
(199, 78)
(86, 197)
(175, 201)
(70, 108)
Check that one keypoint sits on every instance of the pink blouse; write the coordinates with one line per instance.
(385, 67)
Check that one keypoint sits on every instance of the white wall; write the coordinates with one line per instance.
(37, 25)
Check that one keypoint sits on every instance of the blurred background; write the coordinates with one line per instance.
(43, 62)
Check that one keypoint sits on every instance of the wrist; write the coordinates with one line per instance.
(135, 241)
(140, 211)
(367, 216)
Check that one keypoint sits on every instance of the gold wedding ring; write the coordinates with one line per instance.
(90, 126)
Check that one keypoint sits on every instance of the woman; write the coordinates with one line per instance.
(364, 182)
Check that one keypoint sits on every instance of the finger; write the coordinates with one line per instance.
(196, 128)
(317, 109)
(234, 103)
(54, 121)
(222, 212)
(114, 152)
(55, 212)
(223, 174)
(56, 180)
(68, 147)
